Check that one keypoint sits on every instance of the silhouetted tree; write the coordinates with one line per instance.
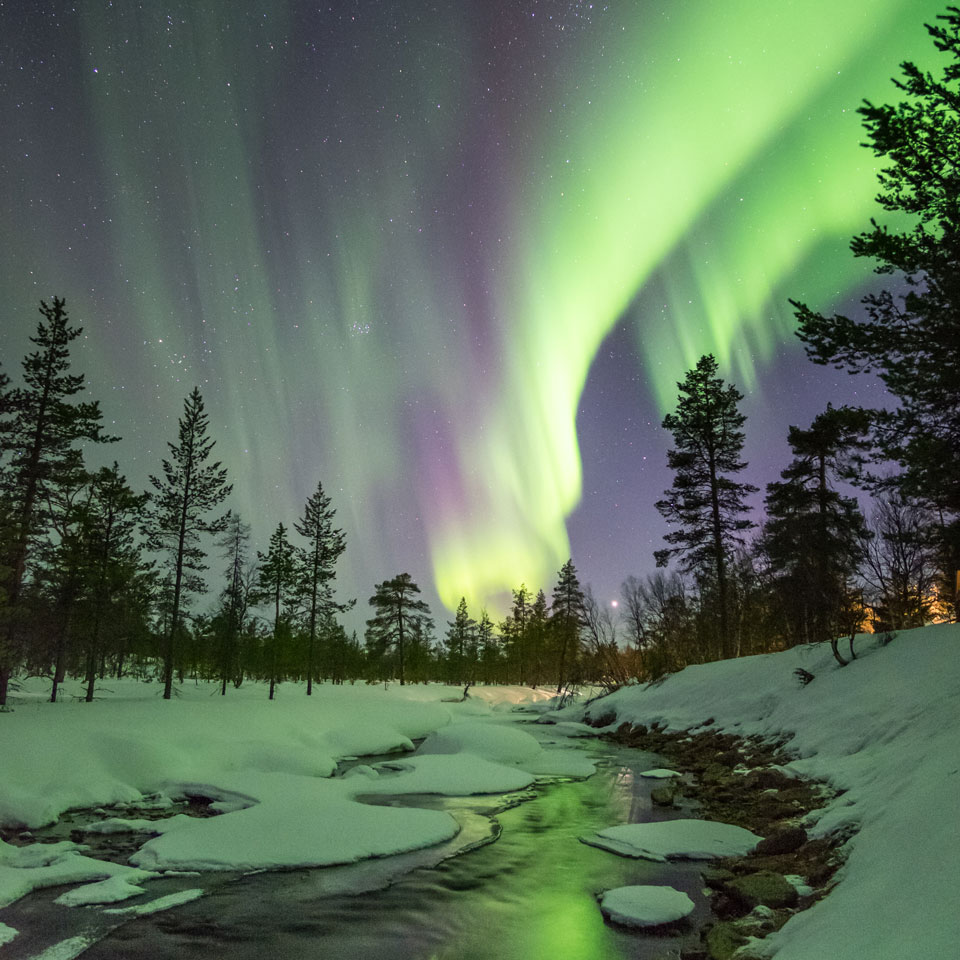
(235, 598)
(325, 544)
(41, 426)
(178, 514)
(398, 615)
(705, 503)
(911, 335)
(461, 642)
(278, 582)
(813, 535)
(567, 618)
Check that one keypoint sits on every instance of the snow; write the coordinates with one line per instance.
(111, 890)
(6, 934)
(490, 741)
(676, 840)
(23, 869)
(885, 730)
(645, 906)
(660, 773)
(161, 903)
(66, 949)
(268, 766)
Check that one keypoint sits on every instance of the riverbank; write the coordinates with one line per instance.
(881, 735)
(741, 781)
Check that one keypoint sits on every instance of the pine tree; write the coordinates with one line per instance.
(178, 514)
(488, 649)
(40, 424)
(461, 642)
(278, 582)
(704, 502)
(325, 544)
(514, 630)
(813, 535)
(537, 625)
(115, 571)
(397, 613)
(911, 336)
(567, 618)
(234, 544)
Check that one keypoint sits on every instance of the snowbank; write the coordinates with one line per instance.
(886, 731)
(269, 767)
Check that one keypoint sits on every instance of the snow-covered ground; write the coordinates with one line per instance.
(885, 730)
(268, 765)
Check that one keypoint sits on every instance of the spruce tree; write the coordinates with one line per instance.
(704, 502)
(910, 335)
(41, 425)
(179, 513)
(115, 570)
(461, 641)
(567, 618)
(234, 544)
(813, 535)
(278, 582)
(398, 616)
(537, 625)
(325, 544)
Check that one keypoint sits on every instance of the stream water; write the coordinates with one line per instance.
(530, 894)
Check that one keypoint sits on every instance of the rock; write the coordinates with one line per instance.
(722, 941)
(785, 840)
(645, 906)
(716, 877)
(664, 796)
(766, 888)
(765, 779)
(715, 773)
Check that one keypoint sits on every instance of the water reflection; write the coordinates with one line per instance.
(529, 895)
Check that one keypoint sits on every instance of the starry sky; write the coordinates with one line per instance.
(449, 258)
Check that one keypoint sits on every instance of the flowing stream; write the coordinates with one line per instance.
(530, 894)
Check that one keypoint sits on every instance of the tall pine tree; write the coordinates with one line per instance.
(704, 502)
(813, 536)
(278, 581)
(325, 544)
(41, 426)
(567, 618)
(911, 335)
(179, 512)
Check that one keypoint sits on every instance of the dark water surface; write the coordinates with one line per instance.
(530, 894)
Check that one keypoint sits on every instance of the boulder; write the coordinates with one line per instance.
(785, 840)
(722, 941)
(766, 888)
(664, 796)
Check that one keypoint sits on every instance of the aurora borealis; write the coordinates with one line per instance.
(431, 254)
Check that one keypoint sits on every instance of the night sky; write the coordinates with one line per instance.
(449, 258)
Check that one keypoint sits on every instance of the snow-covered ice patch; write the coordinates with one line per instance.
(66, 949)
(645, 906)
(24, 869)
(137, 825)
(675, 840)
(161, 903)
(112, 890)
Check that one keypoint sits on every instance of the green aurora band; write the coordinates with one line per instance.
(401, 273)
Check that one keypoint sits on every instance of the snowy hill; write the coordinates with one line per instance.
(884, 730)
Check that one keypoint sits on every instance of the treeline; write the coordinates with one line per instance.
(99, 580)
